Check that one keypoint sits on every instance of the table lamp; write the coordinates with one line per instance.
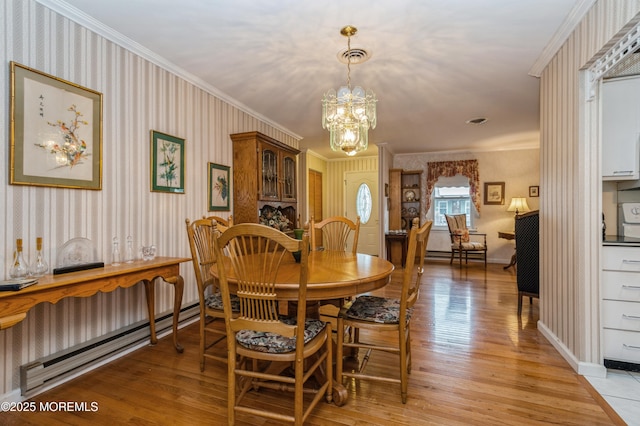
(518, 205)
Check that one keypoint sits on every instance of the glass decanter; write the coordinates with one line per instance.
(128, 254)
(19, 268)
(115, 254)
(39, 267)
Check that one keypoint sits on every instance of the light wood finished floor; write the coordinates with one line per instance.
(474, 362)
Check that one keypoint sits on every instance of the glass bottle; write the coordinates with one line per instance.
(115, 254)
(128, 254)
(19, 268)
(39, 267)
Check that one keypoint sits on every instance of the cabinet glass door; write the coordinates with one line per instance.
(288, 178)
(269, 180)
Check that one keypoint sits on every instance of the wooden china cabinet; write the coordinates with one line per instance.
(405, 204)
(264, 178)
(404, 198)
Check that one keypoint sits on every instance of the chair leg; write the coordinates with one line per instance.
(519, 303)
(203, 319)
(452, 254)
(231, 387)
(339, 349)
(403, 365)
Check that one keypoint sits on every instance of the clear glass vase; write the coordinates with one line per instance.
(115, 254)
(40, 266)
(128, 254)
(19, 268)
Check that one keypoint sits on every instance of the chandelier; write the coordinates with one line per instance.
(349, 114)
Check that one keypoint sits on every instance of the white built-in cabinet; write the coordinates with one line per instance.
(621, 303)
(621, 128)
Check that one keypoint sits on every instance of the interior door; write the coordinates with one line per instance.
(315, 199)
(368, 241)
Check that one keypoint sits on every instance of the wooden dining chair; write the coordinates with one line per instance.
(379, 314)
(334, 233)
(221, 221)
(259, 336)
(201, 233)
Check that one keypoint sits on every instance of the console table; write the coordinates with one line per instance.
(14, 305)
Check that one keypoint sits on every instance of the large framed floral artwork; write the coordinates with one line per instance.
(219, 187)
(167, 163)
(55, 133)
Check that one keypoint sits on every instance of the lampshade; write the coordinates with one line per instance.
(348, 114)
(518, 205)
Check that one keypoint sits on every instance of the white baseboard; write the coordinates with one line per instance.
(580, 367)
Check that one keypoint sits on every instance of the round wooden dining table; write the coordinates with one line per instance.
(332, 275)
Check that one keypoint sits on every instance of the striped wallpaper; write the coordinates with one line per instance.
(571, 189)
(139, 95)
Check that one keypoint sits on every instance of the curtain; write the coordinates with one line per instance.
(468, 168)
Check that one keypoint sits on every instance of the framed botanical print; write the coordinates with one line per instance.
(219, 187)
(167, 163)
(56, 131)
(494, 193)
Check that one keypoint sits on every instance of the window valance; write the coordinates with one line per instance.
(468, 168)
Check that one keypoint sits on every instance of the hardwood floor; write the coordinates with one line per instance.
(474, 362)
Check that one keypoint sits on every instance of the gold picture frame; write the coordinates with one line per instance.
(55, 133)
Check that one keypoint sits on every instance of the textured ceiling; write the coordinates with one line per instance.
(434, 64)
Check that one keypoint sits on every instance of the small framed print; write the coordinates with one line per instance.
(534, 191)
(219, 192)
(494, 193)
(167, 163)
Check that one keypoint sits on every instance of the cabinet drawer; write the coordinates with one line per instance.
(622, 345)
(618, 285)
(621, 258)
(621, 315)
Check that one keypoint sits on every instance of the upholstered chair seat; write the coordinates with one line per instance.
(274, 343)
(377, 309)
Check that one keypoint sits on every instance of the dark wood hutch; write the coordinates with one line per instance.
(264, 180)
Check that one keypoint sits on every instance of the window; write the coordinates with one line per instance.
(364, 203)
(451, 196)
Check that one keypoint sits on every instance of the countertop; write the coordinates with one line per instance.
(620, 240)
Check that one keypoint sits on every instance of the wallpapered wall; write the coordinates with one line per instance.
(570, 221)
(139, 95)
(518, 169)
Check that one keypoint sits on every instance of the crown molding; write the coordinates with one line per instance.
(92, 24)
(572, 20)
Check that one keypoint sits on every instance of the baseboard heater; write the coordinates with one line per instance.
(56, 367)
(438, 254)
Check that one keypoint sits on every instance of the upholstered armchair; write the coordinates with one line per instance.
(527, 256)
(462, 241)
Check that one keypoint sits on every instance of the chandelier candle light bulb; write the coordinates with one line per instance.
(348, 114)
